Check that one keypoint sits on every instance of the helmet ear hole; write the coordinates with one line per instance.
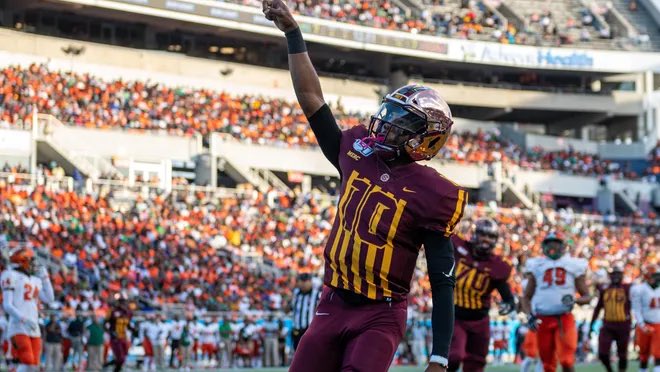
(434, 141)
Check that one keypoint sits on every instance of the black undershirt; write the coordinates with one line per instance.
(438, 247)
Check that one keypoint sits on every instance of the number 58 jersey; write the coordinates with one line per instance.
(25, 290)
(554, 279)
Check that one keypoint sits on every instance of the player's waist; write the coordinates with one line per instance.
(617, 322)
(356, 299)
(464, 313)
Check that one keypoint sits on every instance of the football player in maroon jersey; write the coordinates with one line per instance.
(615, 300)
(478, 273)
(390, 206)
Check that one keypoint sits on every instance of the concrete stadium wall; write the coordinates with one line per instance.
(16, 143)
(578, 186)
(124, 144)
(468, 175)
(618, 103)
(313, 161)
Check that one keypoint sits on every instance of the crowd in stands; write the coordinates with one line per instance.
(486, 147)
(467, 19)
(172, 251)
(87, 101)
(240, 253)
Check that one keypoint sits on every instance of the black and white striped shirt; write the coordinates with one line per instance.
(304, 306)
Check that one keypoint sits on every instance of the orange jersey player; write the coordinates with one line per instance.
(22, 288)
(549, 298)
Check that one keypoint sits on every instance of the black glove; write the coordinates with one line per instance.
(505, 308)
(533, 322)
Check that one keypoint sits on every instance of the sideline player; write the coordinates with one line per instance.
(615, 299)
(549, 298)
(478, 273)
(210, 339)
(646, 309)
(148, 335)
(118, 325)
(22, 288)
(390, 206)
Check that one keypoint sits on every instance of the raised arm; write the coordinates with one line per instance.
(306, 82)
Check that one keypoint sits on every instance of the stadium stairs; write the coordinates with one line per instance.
(49, 149)
(641, 19)
(263, 179)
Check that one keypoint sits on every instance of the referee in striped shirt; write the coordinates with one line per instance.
(305, 299)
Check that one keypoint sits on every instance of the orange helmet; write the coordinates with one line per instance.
(23, 258)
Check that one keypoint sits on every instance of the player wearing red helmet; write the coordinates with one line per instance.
(23, 285)
(390, 206)
(549, 299)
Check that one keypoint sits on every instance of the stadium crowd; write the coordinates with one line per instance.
(194, 250)
(197, 250)
(135, 105)
(467, 19)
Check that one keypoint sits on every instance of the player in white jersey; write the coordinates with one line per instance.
(645, 298)
(148, 334)
(4, 324)
(549, 298)
(193, 329)
(209, 337)
(22, 289)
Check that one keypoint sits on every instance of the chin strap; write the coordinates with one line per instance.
(377, 144)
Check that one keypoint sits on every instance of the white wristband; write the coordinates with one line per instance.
(440, 360)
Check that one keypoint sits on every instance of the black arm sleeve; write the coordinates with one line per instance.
(327, 134)
(440, 261)
(504, 290)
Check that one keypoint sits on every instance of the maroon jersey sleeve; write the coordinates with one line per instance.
(500, 269)
(446, 205)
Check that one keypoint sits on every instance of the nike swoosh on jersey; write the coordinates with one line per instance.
(450, 271)
(317, 313)
(405, 189)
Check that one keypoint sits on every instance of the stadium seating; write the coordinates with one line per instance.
(534, 22)
(137, 105)
(195, 250)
